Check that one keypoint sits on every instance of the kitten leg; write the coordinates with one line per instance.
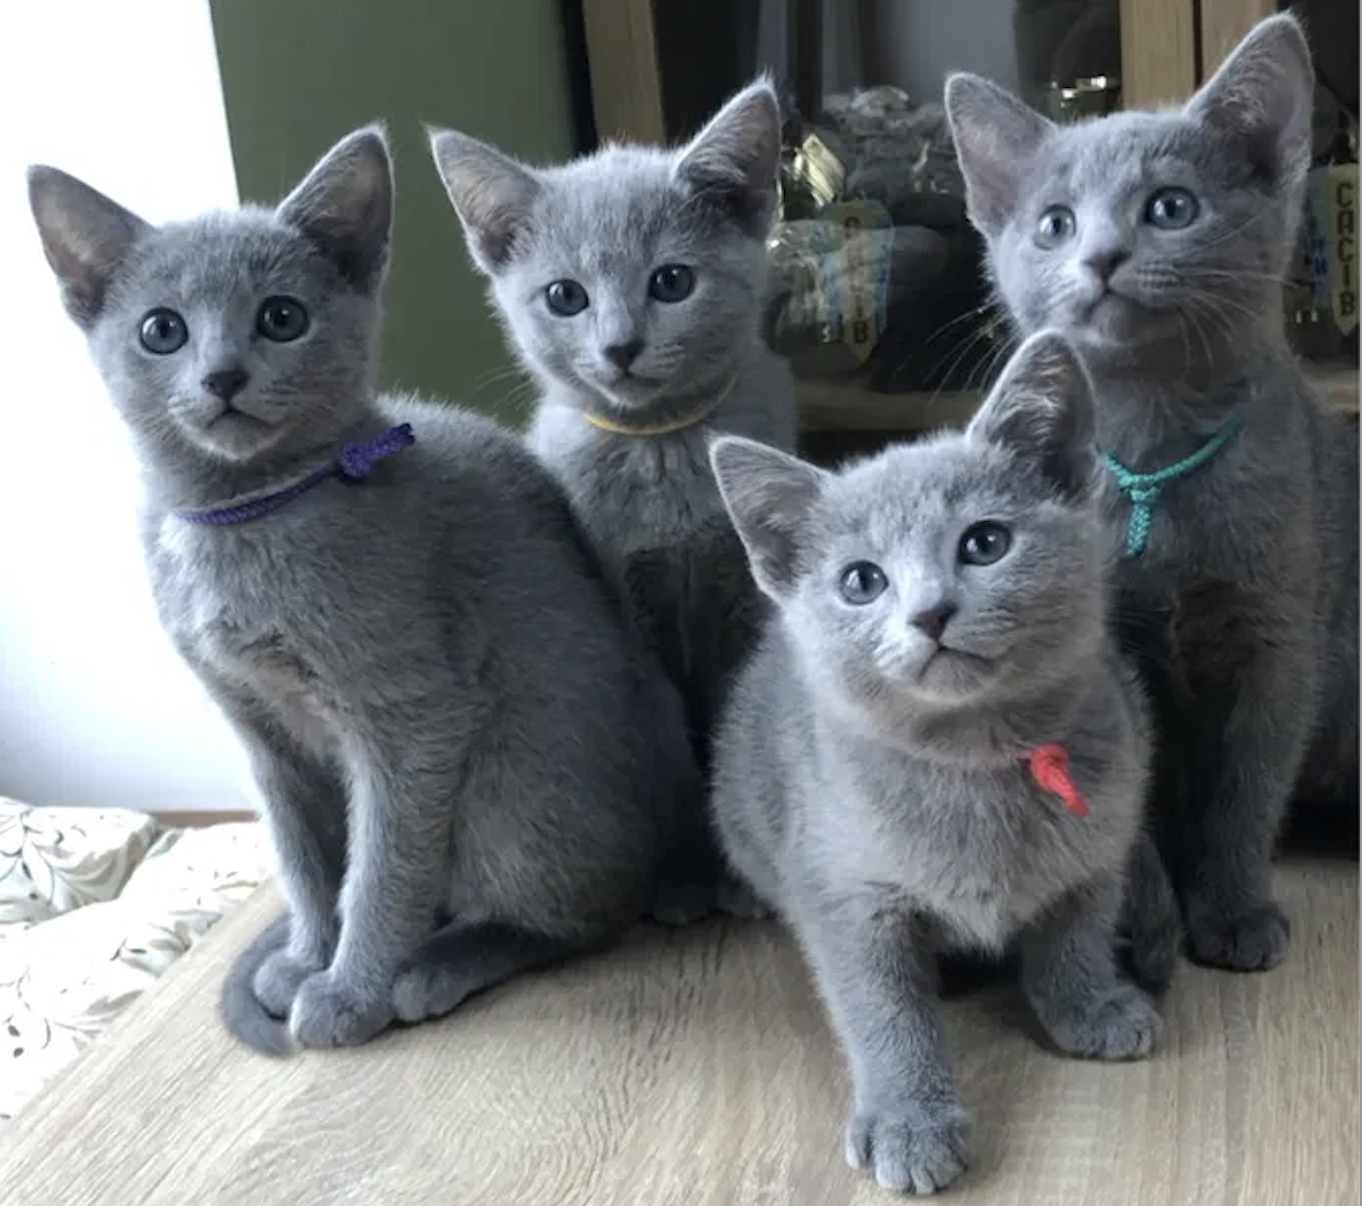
(1251, 737)
(1070, 976)
(304, 806)
(875, 967)
(402, 797)
(463, 959)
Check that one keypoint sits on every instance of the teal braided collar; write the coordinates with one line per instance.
(1144, 489)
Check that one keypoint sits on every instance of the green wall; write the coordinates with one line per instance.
(299, 74)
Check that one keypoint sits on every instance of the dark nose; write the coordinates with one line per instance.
(933, 620)
(226, 383)
(1105, 263)
(622, 355)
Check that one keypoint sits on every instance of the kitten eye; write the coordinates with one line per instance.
(1171, 209)
(281, 319)
(162, 332)
(1057, 225)
(984, 543)
(566, 298)
(671, 283)
(863, 582)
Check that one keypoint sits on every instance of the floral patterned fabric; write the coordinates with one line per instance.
(93, 912)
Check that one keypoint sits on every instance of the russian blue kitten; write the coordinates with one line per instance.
(446, 718)
(630, 283)
(942, 616)
(1157, 242)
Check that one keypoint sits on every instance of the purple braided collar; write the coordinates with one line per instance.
(352, 465)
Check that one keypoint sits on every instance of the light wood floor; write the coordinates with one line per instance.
(695, 1068)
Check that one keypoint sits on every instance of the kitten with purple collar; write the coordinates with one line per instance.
(630, 282)
(468, 765)
(1157, 242)
(937, 745)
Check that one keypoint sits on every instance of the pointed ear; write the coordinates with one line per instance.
(492, 194)
(996, 136)
(734, 162)
(769, 496)
(1042, 410)
(1262, 98)
(85, 237)
(345, 206)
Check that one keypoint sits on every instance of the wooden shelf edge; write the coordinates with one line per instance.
(829, 406)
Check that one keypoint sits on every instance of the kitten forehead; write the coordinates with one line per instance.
(1121, 150)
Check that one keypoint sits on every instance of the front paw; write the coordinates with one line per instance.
(738, 900)
(1120, 1024)
(327, 1013)
(914, 1150)
(1251, 938)
(278, 979)
(428, 990)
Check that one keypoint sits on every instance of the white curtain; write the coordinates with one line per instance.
(95, 708)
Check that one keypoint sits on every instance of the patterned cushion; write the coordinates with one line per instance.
(64, 979)
(53, 860)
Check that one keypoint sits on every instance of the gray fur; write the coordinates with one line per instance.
(648, 503)
(871, 785)
(1260, 547)
(449, 724)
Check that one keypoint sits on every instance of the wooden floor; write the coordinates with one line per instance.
(695, 1068)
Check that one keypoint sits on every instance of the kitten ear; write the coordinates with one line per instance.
(735, 160)
(996, 136)
(345, 206)
(1042, 410)
(769, 495)
(1263, 97)
(492, 194)
(85, 237)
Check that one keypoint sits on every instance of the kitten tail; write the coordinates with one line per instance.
(238, 1006)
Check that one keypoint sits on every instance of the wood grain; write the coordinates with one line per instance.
(621, 51)
(1158, 52)
(694, 1068)
(1223, 24)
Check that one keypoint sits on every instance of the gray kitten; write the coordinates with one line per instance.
(631, 283)
(1157, 242)
(447, 720)
(942, 620)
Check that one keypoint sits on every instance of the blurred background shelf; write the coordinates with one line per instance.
(835, 407)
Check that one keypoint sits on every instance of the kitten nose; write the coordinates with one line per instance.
(225, 383)
(933, 620)
(622, 355)
(1105, 263)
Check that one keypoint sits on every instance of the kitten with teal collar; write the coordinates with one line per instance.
(468, 765)
(1157, 242)
(630, 283)
(938, 745)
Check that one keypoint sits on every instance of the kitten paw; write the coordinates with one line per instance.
(278, 979)
(912, 1151)
(678, 904)
(424, 991)
(1253, 939)
(1124, 1024)
(326, 1013)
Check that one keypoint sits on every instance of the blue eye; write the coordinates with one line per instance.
(671, 283)
(984, 543)
(862, 582)
(1057, 225)
(282, 319)
(1171, 209)
(566, 298)
(162, 331)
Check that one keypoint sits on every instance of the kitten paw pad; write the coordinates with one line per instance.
(326, 1013)
(738, 900)
(1255, 939)
(428, 991)
(1124, 1025)
(278, 979)
(912, 1152)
